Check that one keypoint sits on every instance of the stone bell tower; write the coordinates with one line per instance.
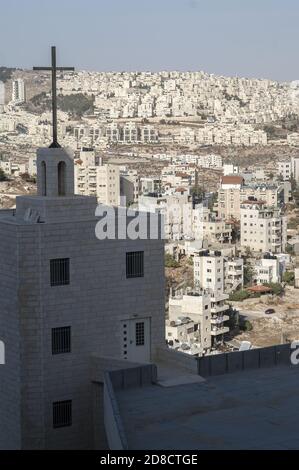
(55, 172)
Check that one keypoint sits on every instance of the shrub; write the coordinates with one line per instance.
(170, 262)
(239, 295)
(3, 176)
(277, 288)
(247, 326)
(289, 278)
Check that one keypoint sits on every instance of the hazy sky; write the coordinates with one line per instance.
(256, 38)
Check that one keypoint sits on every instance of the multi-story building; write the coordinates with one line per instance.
(233, 274)
(129, 187)
(93, 178)
(268, 269)
(263, 228)
(148, 134)
(230, 199)
(113, 132)
(230, 169)
(209, 275)
(210, 227)
(195, 305)
(289, 169)
(68, 300)
(18, 91)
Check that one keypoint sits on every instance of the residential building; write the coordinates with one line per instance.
(129, 187)
(263, 228)
(209, 275)
(195, 305)
(233, 274)
(230, 199)
(268, 269)
(18, 91)
(230, 169)
(93, 178)
(289, 169)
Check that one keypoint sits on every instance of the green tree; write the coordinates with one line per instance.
(3, 176)
(276, 288)
(247, 326)
(289, 277)
(248, 274)
(239, 295)
(170, 262)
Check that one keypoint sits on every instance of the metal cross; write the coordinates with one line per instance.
(54, 69)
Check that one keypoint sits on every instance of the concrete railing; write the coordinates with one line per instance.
(115, 432)
(227, 363)
(176, 358)
(131, 377)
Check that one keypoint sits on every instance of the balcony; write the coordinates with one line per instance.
(219, 331)
(219, 320)
(219, 308)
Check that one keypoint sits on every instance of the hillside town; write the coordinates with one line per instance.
(216, 157)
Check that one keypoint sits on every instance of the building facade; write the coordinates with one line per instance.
(68, 296)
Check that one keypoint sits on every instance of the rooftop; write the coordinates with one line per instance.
(253, 410)
(232, 179)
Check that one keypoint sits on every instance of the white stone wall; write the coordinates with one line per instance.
(98, 298)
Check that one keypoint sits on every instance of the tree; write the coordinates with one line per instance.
(239, 295)
(276, 288)
(248, 274)
(289, 277)
(170, 262)
(3, 176)
(247, 326)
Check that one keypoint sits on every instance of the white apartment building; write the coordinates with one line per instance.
(230, 169)
(13, 168)
(129, 187)
(289, 169)
(209, 227)
(263, 228)
(230, 198)
(130, 133)
(284, 169)
(113, 132)
(268, 270)
(18, 91)
(195, 305)
(209, 275)
(233, 274)
(293, 139)
(177, 212)
(210, 161)
(93, 178)
(32, 167)
(93, 133)
(148, 134)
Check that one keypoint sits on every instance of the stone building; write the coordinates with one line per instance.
(67, 296)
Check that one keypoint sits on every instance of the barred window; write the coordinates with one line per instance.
(60, 271)
(140, 334)
(61, 340)
(62, 414)
(135, 264)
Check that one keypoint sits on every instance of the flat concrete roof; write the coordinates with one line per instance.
(256, 409)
